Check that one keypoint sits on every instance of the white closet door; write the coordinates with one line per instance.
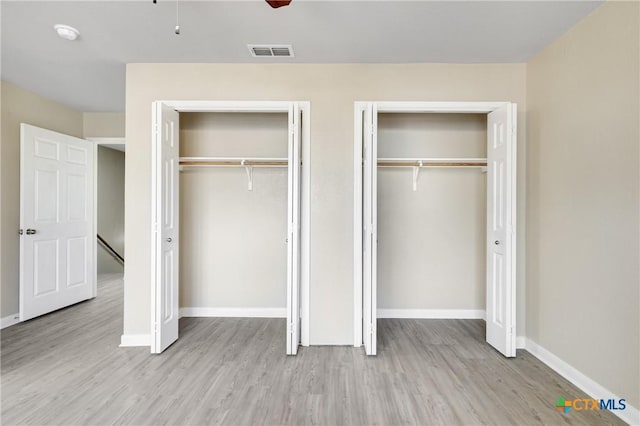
(370, 240)
(293, 237)
(501, 207)
(166, 238)
(57, 242)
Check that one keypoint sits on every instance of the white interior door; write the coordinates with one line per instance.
(293, 237)
(164, 329)
(501, 208)
(370, 237)
(57, 221)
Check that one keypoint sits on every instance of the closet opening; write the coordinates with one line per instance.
(435, 218)
(229, 186)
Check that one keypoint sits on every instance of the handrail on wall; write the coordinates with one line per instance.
(110, 250)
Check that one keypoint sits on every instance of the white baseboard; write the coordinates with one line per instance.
(432, 313)
(521, 342)
(132, 340)
(630, 415)
(234, 312)
(9, 320)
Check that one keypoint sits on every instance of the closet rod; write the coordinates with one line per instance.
(432, 162)
(230, 161)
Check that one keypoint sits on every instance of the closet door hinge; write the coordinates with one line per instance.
(291, 327)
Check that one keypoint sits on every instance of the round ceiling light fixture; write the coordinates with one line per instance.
(66, 32)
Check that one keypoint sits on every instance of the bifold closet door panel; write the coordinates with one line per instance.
(293, 235)
(369, 210)
(431, 241)
(501, 208)
(166, 244)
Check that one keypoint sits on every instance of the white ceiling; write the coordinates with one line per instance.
(89, 74)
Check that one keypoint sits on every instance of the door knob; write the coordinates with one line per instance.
(496, 242)
(31, 231)
(169, 240)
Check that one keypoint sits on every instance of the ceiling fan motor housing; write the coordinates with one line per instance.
(278, 3)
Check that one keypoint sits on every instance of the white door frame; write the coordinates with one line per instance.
(305, 198)
(120, 141)
(414, 107)
(99, 141)
(108, 141)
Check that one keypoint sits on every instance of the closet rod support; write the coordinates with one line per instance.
(416, 174)
(249, 170)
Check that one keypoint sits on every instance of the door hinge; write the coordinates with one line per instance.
(21, 232)
(290, 328)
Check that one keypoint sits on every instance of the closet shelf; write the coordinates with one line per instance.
(233, 162)
(432, 162)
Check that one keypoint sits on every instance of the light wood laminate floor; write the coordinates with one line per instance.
(66, 368)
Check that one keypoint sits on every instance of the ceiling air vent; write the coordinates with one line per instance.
(271, 50)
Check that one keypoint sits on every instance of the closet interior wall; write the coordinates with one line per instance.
(233, 251)
(431, 242)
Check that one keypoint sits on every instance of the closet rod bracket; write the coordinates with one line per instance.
(416, 174)
(249, 170)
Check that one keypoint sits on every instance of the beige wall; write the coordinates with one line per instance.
(582, 198)
(233, 252)
(332, 90)
(431, 242)
(103, 124)
(22, 106)
(1, 197)
(110, 212)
